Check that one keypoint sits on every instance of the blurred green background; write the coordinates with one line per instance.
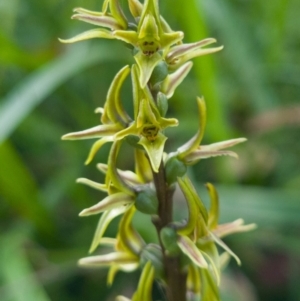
(47, 89)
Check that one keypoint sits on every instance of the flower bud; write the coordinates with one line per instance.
(162, 104)
(174, 169)
(146, 201)
(133, 141)
(159, 73)
(153, 253)
(169, 239)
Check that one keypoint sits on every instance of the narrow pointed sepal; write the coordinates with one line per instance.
(96, 147)
(189, 248)
(154, 149)
(113, 109)
(94, 132)
(135, 7)
(177, 51)
(118, 13)
(110, 202)
(103, 223)
(194, 142)
(144, 290)
(96, 185)
(236, 226)
(213, 214)
(105, 21)
(115, 258)
(173, 80)
(213, 150)
(218, 241)
(90, 34)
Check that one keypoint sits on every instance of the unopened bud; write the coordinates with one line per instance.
(146, 201)
(159, 73)
(169, 239)
(174, 169)
(153, 253)
(162, 104)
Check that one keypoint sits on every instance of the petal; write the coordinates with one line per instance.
(193, 279)
(146, 65)
(213, 215)
(115, 200)
(104, 21)
(171, 38)
(210, 290)
(154, 150)
(103, 223)
(113, 109)
(221, 145)
(135, 7)
(142, 166)
(234, 227)
(196, 155)
(144, 290)
(192, 207)
(84, 11)
(173, 80)
(118, 13)
(129, 239)
(127, 36)
(190, 249)
(194, 142)
(199, 52)
(150, 7)
(225, 247)
(90, 34)
(126, 175)
(96, 146)
(182, 49)
(94, 132)
(108, 260)
(96, 185)
(112, 174)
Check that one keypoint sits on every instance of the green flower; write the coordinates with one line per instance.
(127, 248)
(191, 152)
(116, 124)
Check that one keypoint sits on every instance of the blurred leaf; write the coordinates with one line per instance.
(37, 86)
(264, 206)
(242, 53)
(19, 281)
(193, 24)
(19, 191)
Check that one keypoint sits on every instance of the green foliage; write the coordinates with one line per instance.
(251, 90)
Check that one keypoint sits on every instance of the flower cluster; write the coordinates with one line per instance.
(162, 61)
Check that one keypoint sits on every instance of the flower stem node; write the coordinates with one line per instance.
(146, 201)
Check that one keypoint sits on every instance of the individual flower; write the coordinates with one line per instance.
(199, 235)
(127, 248)
(116, 123)
(192, 151)
(151, 37)
(148, 123)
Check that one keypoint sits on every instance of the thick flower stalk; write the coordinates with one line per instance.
(187, 261)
